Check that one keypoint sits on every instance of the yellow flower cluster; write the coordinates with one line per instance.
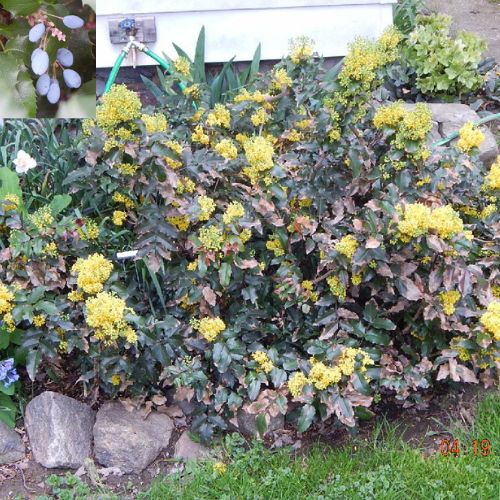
(6, 299)
(244, 96)
(322, 376)
(185, 185)
(233, 211)
(389, 41)
(105, 314)
(42, 219)
(260, 117)
(347, 246)
(76, 296)
(126, 168)
(220, 116)
(416, 221)
(124, 200)
(419, 219)
(175, 146)
(207, 207)
(211, 238)
(89, 231)
(50, 249)
(39, 320)
(220, 468)
(192, 266)
(336, 287)
(209, 328)
(470, 137)
(281, 79)
(117, 106)
(446, 222)
(259, 153)
(116, 379)
(173, 163)
(199, 135)
(347, 360)
(92, 273)
(301, 49)
(155, 123)
(262, 359)
(227, 149)
(181, 222)
(491, 320)
(487, 211)
(193, 91)
(296, 384)
(360, 63)
(294, 135)
(410, 125)
(182, 66)
(245, 235)
(492, 180)
(356, 279)
(449, 299)
(389, 116)
(11, 202)
(274, 245)
(119, 217)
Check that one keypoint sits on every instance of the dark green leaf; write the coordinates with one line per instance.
(306, 418)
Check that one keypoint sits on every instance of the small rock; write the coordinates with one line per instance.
(247, 423)
(59, 430)
(11, 445)
(126, 440)
(187, 449)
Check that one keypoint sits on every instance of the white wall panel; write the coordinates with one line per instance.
(235, 27)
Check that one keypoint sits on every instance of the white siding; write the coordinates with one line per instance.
(235, 27)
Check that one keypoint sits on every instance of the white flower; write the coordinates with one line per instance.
(24, 162)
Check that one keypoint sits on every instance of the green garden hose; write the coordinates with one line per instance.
(454, 135)
(114, 71)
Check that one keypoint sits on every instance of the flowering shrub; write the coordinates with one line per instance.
(299, 251)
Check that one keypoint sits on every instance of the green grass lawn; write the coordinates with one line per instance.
(385, 467)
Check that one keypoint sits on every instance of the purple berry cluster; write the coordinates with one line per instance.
(47, 85)
(8, 374)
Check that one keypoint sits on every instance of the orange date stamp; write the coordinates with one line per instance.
(479, 448)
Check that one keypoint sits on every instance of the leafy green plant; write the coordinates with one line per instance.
(405, 14)
(215, 87)
(71, 487)
(439, 64)
(45, 54)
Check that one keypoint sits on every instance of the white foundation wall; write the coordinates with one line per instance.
(236, 27)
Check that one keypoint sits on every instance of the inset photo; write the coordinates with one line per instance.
(47, 58)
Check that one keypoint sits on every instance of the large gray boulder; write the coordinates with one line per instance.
(60, 430)
(126, 440)
(449, 118)
(11, 445)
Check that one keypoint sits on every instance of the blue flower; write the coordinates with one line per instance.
(8, 374)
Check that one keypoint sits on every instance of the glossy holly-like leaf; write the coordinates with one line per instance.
(21, 7)
(306, 418)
